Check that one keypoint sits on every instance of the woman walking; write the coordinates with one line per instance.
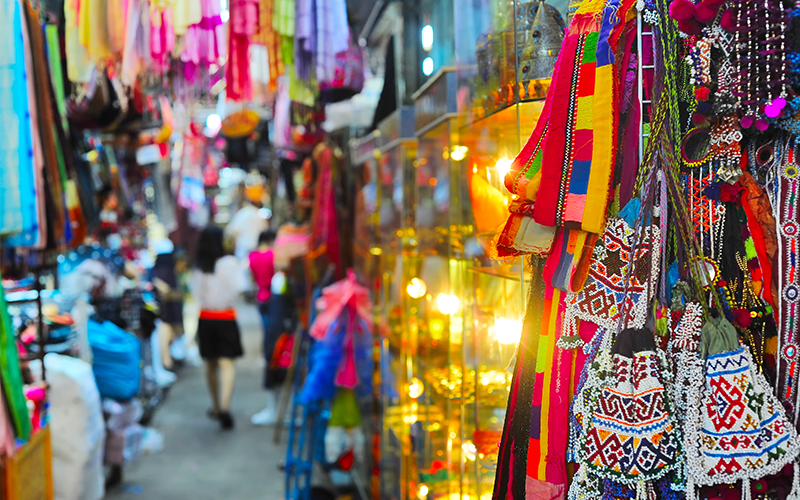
(216, 284)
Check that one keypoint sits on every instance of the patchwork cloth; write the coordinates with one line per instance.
(632, 436)
(736, 428)
(563, 174)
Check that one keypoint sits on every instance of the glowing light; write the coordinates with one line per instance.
(447, 304)
(459, 153)
(503, 166)
(507, 331)
(423, 491)
(436, 327)
(427, 37)
(415, 388)
(375, 251)
(416, 288)
(470, 450)
(427, 66)
(214, 122)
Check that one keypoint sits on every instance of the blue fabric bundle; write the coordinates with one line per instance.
(327, 355)
(116, 363)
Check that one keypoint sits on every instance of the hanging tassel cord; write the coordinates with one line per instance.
(747, 491)
(795, 493)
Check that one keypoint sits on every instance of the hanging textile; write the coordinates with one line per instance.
(12, 375)
(243, 25)
(324, 249)
(14, 126)
(53, 161)
(268, 37)
(564, 172)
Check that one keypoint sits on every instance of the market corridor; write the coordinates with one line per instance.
(199, 461)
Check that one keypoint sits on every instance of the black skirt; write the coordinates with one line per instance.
(219, 338)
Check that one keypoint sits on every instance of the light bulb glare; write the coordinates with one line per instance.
(503, 166)
(423, 491)
(427, 66)
(507, 331)
(459, 153)
(427, 37)
(447, 304)
(416, 288)
(415, 388)
(214, 122)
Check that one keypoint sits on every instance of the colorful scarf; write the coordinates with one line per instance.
(563, 174)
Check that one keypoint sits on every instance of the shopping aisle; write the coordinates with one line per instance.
(199, 461)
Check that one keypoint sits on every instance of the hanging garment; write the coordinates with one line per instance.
(267, 37)
(79, 67)
(565, 170)
(735, 429)
(53, 162)
(137, 42)
(93, 29)
(324, 227)
(117, 13)
(305, 41)
(244, 19)
(162, 38)
(184, 14)
(204, 43)
(332, 37)
(31, 179)
(14, 126)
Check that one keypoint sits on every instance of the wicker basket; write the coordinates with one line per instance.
(29, 475)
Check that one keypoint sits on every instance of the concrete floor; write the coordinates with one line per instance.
(199, 461)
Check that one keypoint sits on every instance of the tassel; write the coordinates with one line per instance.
(641, 491)
(795, 493)
(747, 492)
(691, 493)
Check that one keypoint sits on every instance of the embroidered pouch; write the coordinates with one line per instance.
(736, 429)
(632, 436)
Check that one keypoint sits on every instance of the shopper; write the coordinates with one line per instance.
(244, 227)
(170, 297)
(216, 284)
(262, 265)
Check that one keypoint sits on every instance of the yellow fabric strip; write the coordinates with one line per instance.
(602, 151)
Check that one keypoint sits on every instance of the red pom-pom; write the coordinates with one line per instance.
(690, 27)
(728, 21)
(743, 318)
(699, 119)
(704, 13)
(681, 10)
(702, 93)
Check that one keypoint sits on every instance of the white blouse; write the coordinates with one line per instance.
(220, 290)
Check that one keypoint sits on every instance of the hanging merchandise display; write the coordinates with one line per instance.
(644, 236)
(683, 306)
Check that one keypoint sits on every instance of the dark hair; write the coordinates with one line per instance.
(267, 237)
(209, 248)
